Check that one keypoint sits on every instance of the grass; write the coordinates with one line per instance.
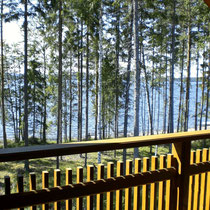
(12, 169)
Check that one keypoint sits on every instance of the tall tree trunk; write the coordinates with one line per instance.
(65, 109)
(136, 73)
(78, 85)
(117, 45)
(81, 81)
(16, 109)
(11, 108)
(96, 96)
(181, 87)
(128, 74)
(127, 99)
(165, 99)
(196, 98)
(87, 86)
(34, 107)
(71, 97)
(100, 77)
(87, 90)
(2, 82)
(171, 97)
(19, 105)
(45, 100)
(59, 126)
(26, 80)
(188, 72)
(202, 98)
(148, 95)
(207, 95)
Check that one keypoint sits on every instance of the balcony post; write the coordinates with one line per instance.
(181, 151)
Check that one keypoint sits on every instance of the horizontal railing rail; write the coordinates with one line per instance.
(60, 193)
(184, 182)
(32, 152)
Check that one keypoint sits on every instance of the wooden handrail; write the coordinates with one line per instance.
(83, 189)
(199, 168)
(32, 152)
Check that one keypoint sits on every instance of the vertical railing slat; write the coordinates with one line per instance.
(203, 181)
(162, 185)
(20, 185)
(191, 183)
(136, 194)
(119, 192)
(32, 185)
(207, 202)
(168, 182)
(79, 201)
(7, 185)
(99, 197)
(68, 182)
(109, 195)
(57, 182)
(90, 177)
(197, 179)
(128, 191)
(153, 189)
(145, 188)
(45, 184)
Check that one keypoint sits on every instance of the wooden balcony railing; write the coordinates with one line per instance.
(183, 182)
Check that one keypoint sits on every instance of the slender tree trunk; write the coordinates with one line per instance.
(117, 46)
(34, 107)
(181, 87)
(87, 86)
(127, 99)
(16, 109)
(45, 100)
(87, 90)
(26, 80)
(152, 92)
(96, 96)
(196, 98)
(12, 108)
(207, 95)
(166, 97)
(81, 82)
(71, 97)
(202, 98)
(143, 95)
(65, 110)
(2, 82)
(136, 74)
(171, 97)
(188, 73)
(100, 77)
(59, 126)
(148, 95)
(158, 114)
(19, 105)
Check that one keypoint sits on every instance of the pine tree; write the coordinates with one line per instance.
(2, 82)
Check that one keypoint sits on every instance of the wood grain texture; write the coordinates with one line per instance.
(83, 189)
(31, 152)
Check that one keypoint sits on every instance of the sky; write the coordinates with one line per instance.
(13, 34)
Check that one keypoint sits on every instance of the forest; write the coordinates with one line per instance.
(96, 69)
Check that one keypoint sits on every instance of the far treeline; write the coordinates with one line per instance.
(117, 55)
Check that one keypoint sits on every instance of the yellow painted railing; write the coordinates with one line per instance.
(179, 181)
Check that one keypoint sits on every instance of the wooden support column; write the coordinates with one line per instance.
(181, 152)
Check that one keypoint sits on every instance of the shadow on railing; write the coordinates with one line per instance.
(182, 182)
